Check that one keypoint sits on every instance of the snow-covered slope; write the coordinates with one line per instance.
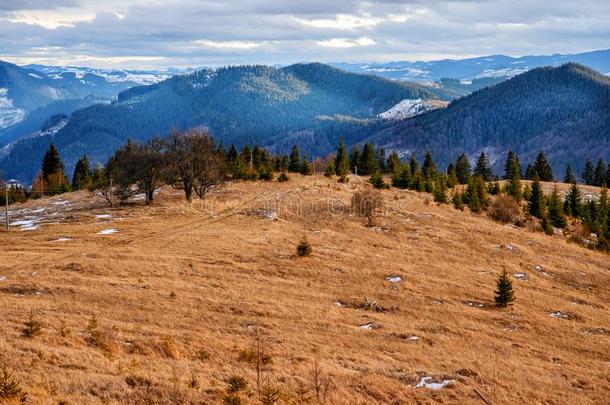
(409, 108)
(135, 77)
(9, 114)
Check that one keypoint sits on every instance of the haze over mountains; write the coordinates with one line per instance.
(94, 111)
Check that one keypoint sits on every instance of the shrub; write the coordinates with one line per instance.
(505, 209)
(378, 182)
(366, 203)
(10, 387)
(282, 177)
(33, 327)
(304, 248)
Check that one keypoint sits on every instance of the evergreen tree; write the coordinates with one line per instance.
(341, 160)
(476, 194)
(305, 166)
(368, 161)
(330, 170)
(51, 163)
(535, 204)
(452, 179)
(569, 177)
(377, 181)
(555, 210)
(599, 176)
(608, 176)
(440, 189)
(393, 164)
(414, 166)
(529, 172)
(588, 173)
(354, 159)
(542, 168)
(304, 248)
(512, 167)
(404, 179)
(429, 167)
(458, 201)
(295, 164)
(51, 179)
(504, 292)
(483, 168)
(573, 203)
(462, 169)
(513, 187)
(82, 174)
(380, 153)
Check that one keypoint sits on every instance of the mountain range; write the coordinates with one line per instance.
(470, 71)
(563, 110)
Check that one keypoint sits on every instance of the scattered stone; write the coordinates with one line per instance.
(340, 304)
(103, 216)
(423, 383)
(520, 276)
(393, 279)
(62, 240)
(367, 326)
(475, 304)
(595, 331)
(108, 231)
(413, 338)
(562, 315)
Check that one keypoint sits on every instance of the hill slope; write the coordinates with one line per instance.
(247, 104)
(565, 111)
(176, 294)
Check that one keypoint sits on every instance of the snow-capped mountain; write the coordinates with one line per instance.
(494, 66)
(408, 108)
(132, 77)
(9, 114)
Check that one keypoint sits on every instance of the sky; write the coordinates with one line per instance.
(189, 33)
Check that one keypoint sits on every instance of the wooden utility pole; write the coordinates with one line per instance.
(6, 201)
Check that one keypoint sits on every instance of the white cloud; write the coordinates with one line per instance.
(229, 44)
(346, 43)
(342, 22)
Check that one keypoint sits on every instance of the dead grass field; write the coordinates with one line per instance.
(160, 311)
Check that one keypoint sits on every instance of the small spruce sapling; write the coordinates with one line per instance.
(504, 293)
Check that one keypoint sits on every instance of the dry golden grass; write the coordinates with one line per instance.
(164, 310)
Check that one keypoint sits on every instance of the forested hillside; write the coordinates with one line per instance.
(246, 104)
(564, 111)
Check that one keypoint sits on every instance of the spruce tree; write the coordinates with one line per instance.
(458, 201)
(512, 167)
(573, 204)
(535, 204)
(82, 174)
(452, 180)
(483, 168)
(295, 160)
(393, 164)
(599, 176)
(404, 179)
(304, 248)
(414, 166)
(51, 163)
(529, 172)
(555, 210)
(608, 176)
(513, 188)
(330, 170)
(542, 168)
(354, 159)
(588, 173)
(569, 178)
(368, 161)
(462, 169)
(305, 166)
(504, 292)
(429, 167)
(341, 160)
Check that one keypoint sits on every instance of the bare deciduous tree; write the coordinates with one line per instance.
(194, 164)
(366, 203)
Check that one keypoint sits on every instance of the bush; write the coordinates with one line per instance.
(304, 248)
(33, 327)
(282, 177)
(366, 203)
(505, 209)
(10, 388)
(378, 182)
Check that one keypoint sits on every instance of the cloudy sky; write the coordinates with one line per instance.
(183, 33)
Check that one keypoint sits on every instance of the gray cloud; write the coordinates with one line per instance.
(195, 33)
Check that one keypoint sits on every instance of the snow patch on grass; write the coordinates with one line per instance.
(423, 383)
(108, 231)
